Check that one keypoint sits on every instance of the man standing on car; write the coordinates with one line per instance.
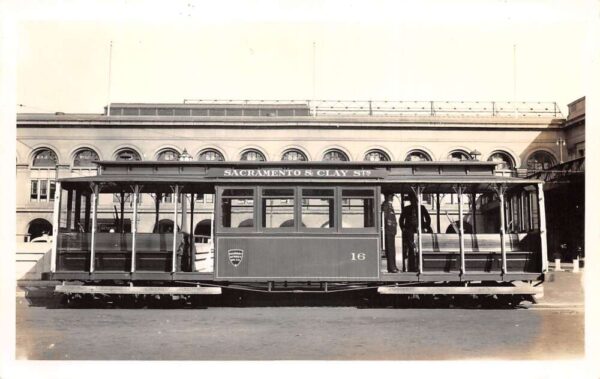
(409, 224)
(390, 227)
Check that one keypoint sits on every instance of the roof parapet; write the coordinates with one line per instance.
(315, 108)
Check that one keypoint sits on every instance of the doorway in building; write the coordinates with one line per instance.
(164, 226)
(37, 228)
(204, 259)
(202, 231)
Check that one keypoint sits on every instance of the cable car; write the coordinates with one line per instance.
(296, 226)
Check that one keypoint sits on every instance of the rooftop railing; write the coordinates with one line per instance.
(401, 108)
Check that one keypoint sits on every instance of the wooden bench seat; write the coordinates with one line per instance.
(113, 252)
(473, 242)
(73, 252)
(483, 253)
(154, 252)
(73, 260)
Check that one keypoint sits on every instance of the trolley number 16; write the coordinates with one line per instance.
(358, 256)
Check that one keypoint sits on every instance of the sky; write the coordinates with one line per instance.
(331, 50)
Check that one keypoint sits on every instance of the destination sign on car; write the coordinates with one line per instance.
(302, 173)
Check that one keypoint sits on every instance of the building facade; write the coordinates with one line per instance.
(523, 138)
(565, 189)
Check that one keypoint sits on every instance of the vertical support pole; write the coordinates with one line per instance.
(122, 215)
(419, 233)
(134, 223)
(520, 211)
(523, 211)
(438, 215)
(511, 224)
(184, 219)
(77, 215)
(542, 216)
(527, 210)
(515, 223)
(461, 231)
(530, 210)
(157, 211)
(55, 227)
(69, 209)
(192, 206)
(526, 206)
(212, 228)
(511, 211)
(518, 206)
(88, 207)
(515, 215)
(184, 225)
(95, 195)
(382, 231)
(175, 203)
(501, 190)
(192, 238)
(508, 212)
(474, 211)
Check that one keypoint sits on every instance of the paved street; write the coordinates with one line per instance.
(255, 329)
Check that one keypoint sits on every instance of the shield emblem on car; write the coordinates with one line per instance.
(235, 256)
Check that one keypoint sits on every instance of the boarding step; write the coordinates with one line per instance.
(470, 290)
(125, 290)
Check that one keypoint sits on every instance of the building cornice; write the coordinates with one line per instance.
(575, 121)
(298, 122)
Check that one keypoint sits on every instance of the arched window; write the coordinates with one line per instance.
(164, 226)
(417, 155)
(38, 228)
(85, 157)
(293, 155)
(210, 155)
(128, 155)
(376, 156)
(503, 160)
(335, 155)
(45, 158)
(202, 231)
(459, 155)
(168, 155)
(540, 160)
(252, 155)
